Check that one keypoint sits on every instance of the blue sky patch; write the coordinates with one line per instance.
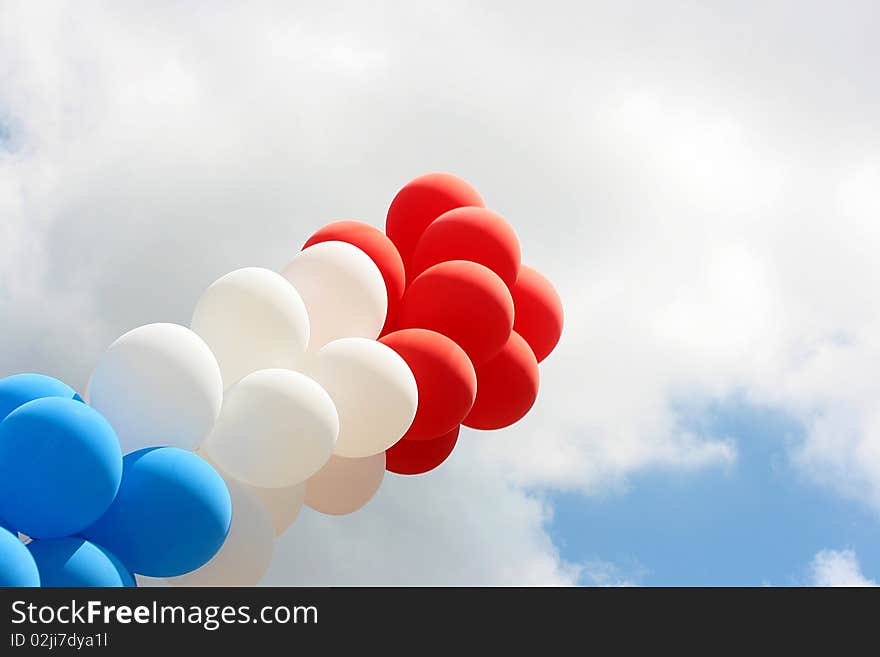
(758, 522)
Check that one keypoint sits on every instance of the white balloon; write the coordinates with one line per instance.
(149, 582)
(252, 319)
(345, 485)
(158, 385)
(374, 390)
(277, 428)
(343, 290)
(247, 552)
(283, 504)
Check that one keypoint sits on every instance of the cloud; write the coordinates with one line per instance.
(837, 568)
(703, 191)
(455, 527)
(597, 572)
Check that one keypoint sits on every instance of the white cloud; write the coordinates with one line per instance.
(704, 195)
(596, 572)
(837, 568)
(455, 527)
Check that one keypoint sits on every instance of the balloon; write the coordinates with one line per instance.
(412, 457)
(445, 378)
(17, 567)
(465, 302)
(277, 429)
(345, 485)
(283, 504)
(474, 234)
(374, 390)
(381, 250)
(171, 515)
(60, 467)
(158, 385)
(343, 291)
(252, 319)
(75, 562)
(420, 202)
(539, 314)
(21, 388)
(507, 387)
(247, 552)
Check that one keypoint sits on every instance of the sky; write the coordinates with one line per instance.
(701, 180)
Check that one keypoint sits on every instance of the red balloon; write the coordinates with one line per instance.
(465, 302)
(539, 314)
(381, 250)
(412, 457)
(420, 202)
(475, 234)
(507, 387)
(445, 377)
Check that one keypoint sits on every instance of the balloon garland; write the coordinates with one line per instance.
(196, 447)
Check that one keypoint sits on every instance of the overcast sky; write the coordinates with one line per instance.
(700, 179)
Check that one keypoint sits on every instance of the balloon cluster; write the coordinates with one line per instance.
(91, 516)
(366, 353)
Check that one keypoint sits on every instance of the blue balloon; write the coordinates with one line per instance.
(17, 567)
(171, 515)
(75, 562)
(60, 467)
(22, 388)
